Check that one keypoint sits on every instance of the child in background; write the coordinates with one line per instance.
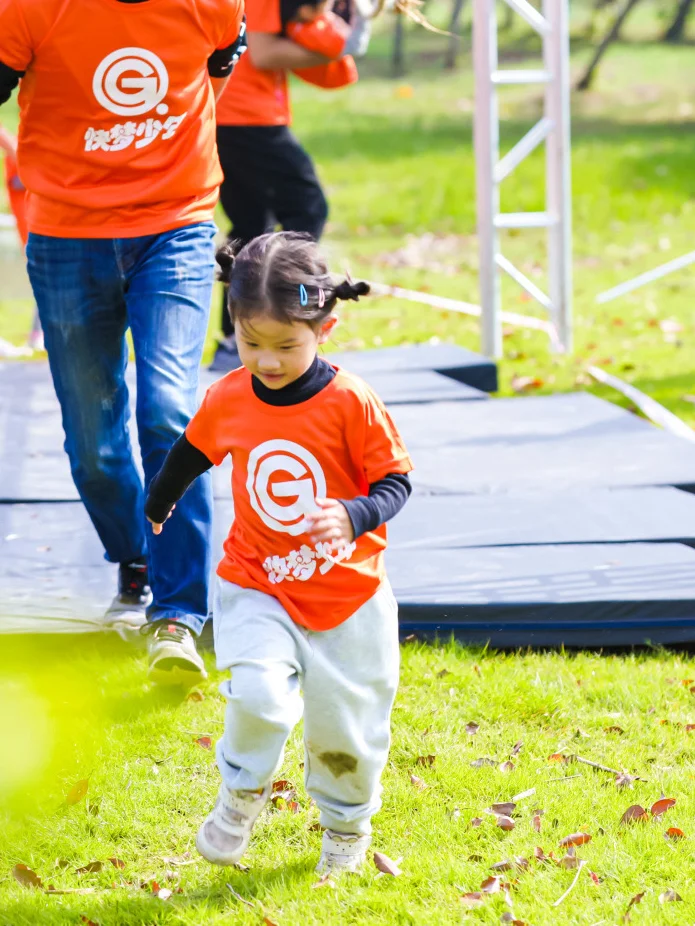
(16, 194)
(302, 599)
(269, 179)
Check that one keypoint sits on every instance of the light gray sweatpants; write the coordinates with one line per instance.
(348, 677)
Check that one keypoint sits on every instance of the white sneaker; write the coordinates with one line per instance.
(342, 852)
(225, 835)
(174, 659)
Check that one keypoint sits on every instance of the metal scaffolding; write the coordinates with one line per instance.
(553, 129)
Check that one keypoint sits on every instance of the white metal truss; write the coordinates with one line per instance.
(553, 129)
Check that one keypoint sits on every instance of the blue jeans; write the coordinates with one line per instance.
(89, 291)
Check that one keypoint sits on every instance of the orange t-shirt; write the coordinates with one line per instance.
(333, 445)
(116, 134)
(256, 97)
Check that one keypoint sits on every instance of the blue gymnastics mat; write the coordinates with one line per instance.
(449, 359)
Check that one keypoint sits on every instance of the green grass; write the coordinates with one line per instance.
(78, 708)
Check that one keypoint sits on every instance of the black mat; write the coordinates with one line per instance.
(449, 359)
(591, 516)
(544, 444)
(591, 596)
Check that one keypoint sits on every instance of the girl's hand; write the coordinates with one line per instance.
(330, 523)
(157, 528)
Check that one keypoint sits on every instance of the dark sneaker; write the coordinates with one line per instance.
(226, 356)
(126, 614)
(174, 660)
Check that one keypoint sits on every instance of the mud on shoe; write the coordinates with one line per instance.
(342, 852)
(126, 614)
(225, 835)
(174, 659)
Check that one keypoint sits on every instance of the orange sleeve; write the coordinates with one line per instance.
(384, 450)
(16, 49)
(234, 13)
(263, 16)
(203, 430)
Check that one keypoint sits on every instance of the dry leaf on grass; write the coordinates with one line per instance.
(505, 823)
(559, 757)
(518, 862)
(526, 383)
(633, 814)
(87, 922)
(25, 876)
(386, 865)
(195, 695)
(517, 747)
(116, 862)
(472, 728)
(614, 729)
(662, 805)
(633, 900)
(674, 833)
(473, 899)
(507, 766)
(594, 877)
(205, 742)
(77, 792)
(537, 822)
(479, 763)
(89, 868)
(505, 807)
(476, 821)
(570, 861)
(491, 885)
(625, 780)
(427, 761)
(418, 783)
(669, 896)
(576, 839)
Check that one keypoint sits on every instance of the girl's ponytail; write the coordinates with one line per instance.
(226, 258)
(349, 290)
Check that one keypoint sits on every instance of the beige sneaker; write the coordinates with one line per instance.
(174, 660)
(225, 835)
(342, 852)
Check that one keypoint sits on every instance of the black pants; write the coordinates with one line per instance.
(269, 180)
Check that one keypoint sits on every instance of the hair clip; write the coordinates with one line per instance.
(322, 298)
(303, 298)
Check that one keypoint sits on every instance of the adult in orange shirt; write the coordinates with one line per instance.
(302, 603)
(117, 152)
(269, 179)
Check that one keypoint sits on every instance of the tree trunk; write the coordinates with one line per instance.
(455, 37)
(674, 33)
(398, 53)
(607, 40)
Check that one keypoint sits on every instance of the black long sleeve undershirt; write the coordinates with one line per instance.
(184, 463)
(9, 79)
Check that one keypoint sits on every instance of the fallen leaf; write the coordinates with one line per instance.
(63, 863)
(25, 876)
(472, 728)
(507, 864)
(594, 877)
(570, 861)
(195, 695)
(576, 839)
(633, 814)
(418, 783)
(90, 867)
(689, 727)
(77, 792)
(625, 780)
(526, 383)
(474, 899)
(508, 917)
(507, 766)
(293, 806)
(425, 760)
(324, 881)
(479, 763)
(537, 822)
(491, 885)
(558, 757)
(517, 747)
(661, 806)
(505, 823)
(94, 807)
(476, 821)
(669, 896)
(87, 921)
(316, 828)
(385, 864)
(443, 673)
(674, 833)
(116, 862)
(634, 900)
(539, 855)
(505, 808)
(476, 669)
(268, 921)
(204, 741)
(614, 729)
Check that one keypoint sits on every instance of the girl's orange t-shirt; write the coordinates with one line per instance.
(117, 113)
(334, 445)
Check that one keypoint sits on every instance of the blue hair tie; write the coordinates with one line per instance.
(303, 298)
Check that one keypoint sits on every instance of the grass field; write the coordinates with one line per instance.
(77, 709)
(396, 157)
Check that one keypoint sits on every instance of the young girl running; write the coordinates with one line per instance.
(302, 600)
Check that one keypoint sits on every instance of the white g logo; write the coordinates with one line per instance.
(306, 485)
(131, 81)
